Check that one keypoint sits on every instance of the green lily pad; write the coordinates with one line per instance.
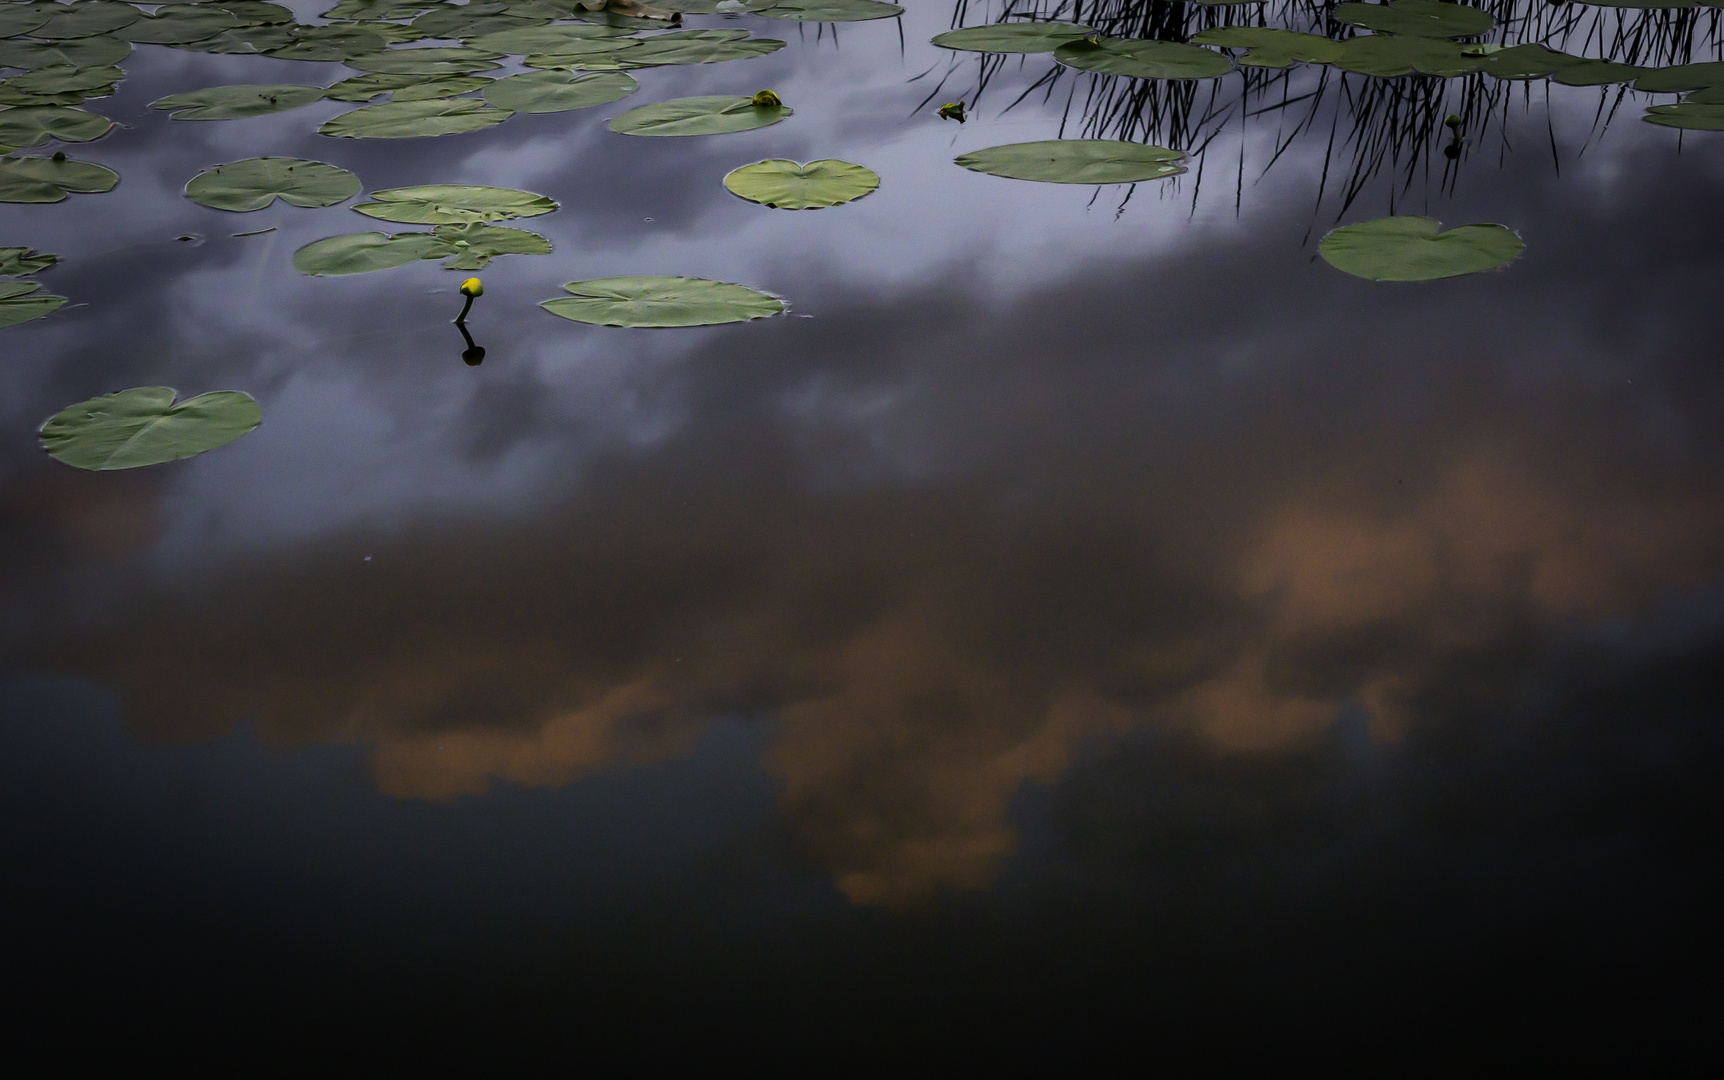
(1412, 249)
(33, 125)
(177, 24)
(144, 426)
(1420, 18)
(45, 180)
(18, 261)
(237, 102)
(434, 61)
(469, 20)
(557, 91)
(473, 246)
(21, 303)
(546, 39)
(256, 12)
(1271, 47)
(1143, 59)
(831, 11)
(1692, 115)
(453, 204)
(87, 18)
(254, 183)
(1596, 73)
(1682, 77)
(1076, 161)
(661, 301)
(329, 44)
(693, 47)
(378, 9)
(786, 185)
(65, 79)
(1386, 56)
(243, 41)
(23, 18)
(1526, 62)
(1016, 37)
(366, 87)
(413, 119)
(447, 86)
(698, 116)
(363, 253)
(86, 52)
(713, 7)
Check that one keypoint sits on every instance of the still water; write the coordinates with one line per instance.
(1085, 612)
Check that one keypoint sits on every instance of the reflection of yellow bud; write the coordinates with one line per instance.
(767, 98)
(472, 287)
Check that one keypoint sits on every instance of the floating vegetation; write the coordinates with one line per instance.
(701, 116)
(1693, 115)
(1412, 249)
(255, 183)
(145, 426)
(20, 302)
(1421, 18)
(558, 91)
(831, 11)
(60, 84)
(786, 185)
(33, 125)
(1273, 48)
(453, 204)
(1036, 37)
(236, 102)
(86, 19)
(1142, 59)
(50, 179)
(414, 119)
(18, 261)
(699, 47)
(1077, 161)
(90, 52)
(179, 24)
(466, 247)
(438, 61)
(661, 302)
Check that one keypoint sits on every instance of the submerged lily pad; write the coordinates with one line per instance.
(831, 10)
(1141, 59)
(237, 102)
(413, 119)
(21, 303)
(661, 301)
(1421, 18)
(699, 116)
(1017, 37)
(437, 61)
(45, 180)
(1412, 249)
(1076, 161)
(86, 52)
(33, 125)
(254, 183)
(558, 91)
(453, 204)
(18, 261)
(145, 426)
(786, 185)
(1271, 47)
(87, 18)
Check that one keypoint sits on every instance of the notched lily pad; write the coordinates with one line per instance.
(558, 91)
(1076, 161)
(699, 116)
(179, 24)
(1142, 59)
(254, 183)
(453, 204)
(413, 119)
(18, 261)
(83, 53)
(145, 426)
(237, 102)
(473, 246)
(465, 247)
(20, 302)
(1413, 249)
(46, 180)
(786, 185)
(661, 302)
(1015, 37)
(88, 18)
(33, 125)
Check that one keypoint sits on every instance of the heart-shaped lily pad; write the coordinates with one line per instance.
(87, 18)
(144, 426)
(1412, 249)
(831, 10)
(453, 204)
(699, 116)
(1017, 37)
(1418, 18)
(1271, 47)
(1141, 59)
(254, 183)
(558, 91)
(1076, 161)
(33, 125)
(787, 185)
(661, 301)
(18, 261)
(20, 302)
(177, 24)
(45, 180)
(88, 52)
(237, 102)
(413, 119)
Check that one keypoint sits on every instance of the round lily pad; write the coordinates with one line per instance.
(362, 253)
(22, 18)
(1387, 56)
(1412, 249)
(1420, 18)
(254, 183)
(1017, 37)
(33, 125)
(413, 119)
(237, 102)
(1076, 161)
(698, 116)
(335, 44)
(145, 426)
(786, 185)
(831, 11)
(86, 52)
(558, 91)
(20, 302)
(1271, 47)
(18, 261)
(435, 61)
(87, 18)
(1141, 59)
(44, 180)
(699, 47)
(545, 39)
(65, 79)
(177, 24)
(453, 204)
(473, 246)
(661, 301)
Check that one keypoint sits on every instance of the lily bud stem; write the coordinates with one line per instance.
(461, 319)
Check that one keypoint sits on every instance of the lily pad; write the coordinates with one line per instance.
(1016, 37)
(1596, 73)
(1682, 77)
(21, 303)
(469, 20)
(18, 261)
(1076, 161)
(557, 91)
(1387, 56)
(33, 125)
(785, 185)
(22, 18)
(1271, 47)
(237, 102)
(413, 119)
(65, 79)
(546, 39)
(254, 183)
(1412, 249)
(45, 180)
(661, 301)
(256, 12)
(145, 426)
(177, 24)
(713, 7)
(86, 52)
(698, 116)
(1530, 61)
(363, 253)
(683, 47)
(1141, 59)
(88, 18)
(831, 11)
(1421, 18)
(473, 246)
(329, 44)
(378, 9)
(433, 61)
(453, 204)
(1692, 115)
(446, 87)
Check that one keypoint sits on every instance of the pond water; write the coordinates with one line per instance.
(1084, 612)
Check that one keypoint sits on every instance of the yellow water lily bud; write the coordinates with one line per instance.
(952, 110)
(472, 287)
(767, 98)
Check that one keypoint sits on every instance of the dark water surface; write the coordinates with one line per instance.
(1070, 625)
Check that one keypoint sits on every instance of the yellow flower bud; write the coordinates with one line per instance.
(767, 98)
(472, 287)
